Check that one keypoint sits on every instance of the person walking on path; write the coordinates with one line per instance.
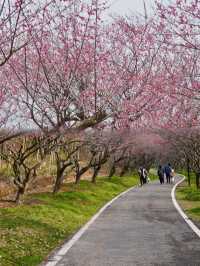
(140, 176)
(143, 175)
(168, 172)
(160, 174)
(173, 176)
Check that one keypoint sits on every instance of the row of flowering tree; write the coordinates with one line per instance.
(182, 148)
(76, 155)
(66, 72)
(70, 71)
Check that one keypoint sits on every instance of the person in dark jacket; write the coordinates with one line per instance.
(143, 175)
(168, 172)
(160, 174)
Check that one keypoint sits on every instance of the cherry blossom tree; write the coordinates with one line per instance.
(134, 59)
(184, 142)
(20, 153)
(179, 23)
(78, 73)
(58, 75)
(69, 72)
(177, 29)
(16, 18)
(66, 151)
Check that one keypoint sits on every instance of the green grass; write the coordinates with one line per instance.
(28, 233)
(189, 199)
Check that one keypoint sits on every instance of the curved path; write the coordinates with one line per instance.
(140, 228)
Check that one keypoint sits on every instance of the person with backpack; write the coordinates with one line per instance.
(160, 173)
(168, 172)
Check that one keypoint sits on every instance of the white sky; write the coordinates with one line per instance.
(123, 7)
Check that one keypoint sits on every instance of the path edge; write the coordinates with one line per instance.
(195, 229)
(52, 261)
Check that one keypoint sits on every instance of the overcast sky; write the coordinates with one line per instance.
(123, 7)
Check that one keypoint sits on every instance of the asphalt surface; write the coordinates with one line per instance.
(140, 228)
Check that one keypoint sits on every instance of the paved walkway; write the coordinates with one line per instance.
(140, 228)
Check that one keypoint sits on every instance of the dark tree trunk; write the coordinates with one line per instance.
(112, 170)
(124, 170)
(20, 193)
(77, 178)
(79, 173)
(188, 172)
(59, 180)
(60, 176)
(22, 186)
(95, 173)
(197, 180)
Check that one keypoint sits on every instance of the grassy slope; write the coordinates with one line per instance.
(189, 199)
(29, 232)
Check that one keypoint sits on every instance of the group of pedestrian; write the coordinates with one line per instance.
(165, 172)
(143, 174)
